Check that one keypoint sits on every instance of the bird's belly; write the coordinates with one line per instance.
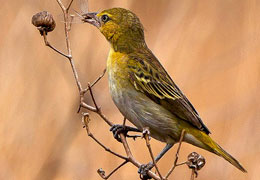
(142, 111)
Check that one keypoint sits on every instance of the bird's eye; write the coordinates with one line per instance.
(104, 18)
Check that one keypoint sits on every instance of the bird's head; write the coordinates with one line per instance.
(121, 27)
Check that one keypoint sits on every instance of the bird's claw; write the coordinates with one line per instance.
(143, 171)
(116, 129)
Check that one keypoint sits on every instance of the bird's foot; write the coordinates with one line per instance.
(118, 128)
(143, 170)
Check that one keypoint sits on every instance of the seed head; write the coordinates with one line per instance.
(196, 161)
(44, 22)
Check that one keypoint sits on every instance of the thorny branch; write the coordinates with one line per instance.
(96, 109)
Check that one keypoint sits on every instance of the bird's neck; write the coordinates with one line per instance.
(127, 42)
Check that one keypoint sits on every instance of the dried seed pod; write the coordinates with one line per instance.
(196, 161)
(44, 22)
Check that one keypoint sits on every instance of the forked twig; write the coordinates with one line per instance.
(82, 93)
(96, 81)
(176, 155)
(67, 28)
(102, 172)
(98, 110)
(50, 46)
(85, 122)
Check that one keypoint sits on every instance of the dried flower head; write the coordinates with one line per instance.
(195, 161)
(44, 22)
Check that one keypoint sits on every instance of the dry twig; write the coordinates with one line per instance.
(192, 174)
(85, 121)
(176, 155)
(146, 134)
(101, 172)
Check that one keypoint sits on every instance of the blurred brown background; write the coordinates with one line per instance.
(210, 48)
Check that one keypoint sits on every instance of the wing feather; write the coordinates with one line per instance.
(158, 86)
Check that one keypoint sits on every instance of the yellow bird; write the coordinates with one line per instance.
(143, 91)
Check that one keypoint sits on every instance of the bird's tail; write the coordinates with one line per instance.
(210, 145)
(221, 152)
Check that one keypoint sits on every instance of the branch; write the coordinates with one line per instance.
(96, 81)
(146, 134)
(85, 121)
(176, 155)
(53, 48)
(67, 28)
(98, 109)
(133, 160)
(192, 174)
(101, 172)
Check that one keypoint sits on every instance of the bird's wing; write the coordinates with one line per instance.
(158, 86)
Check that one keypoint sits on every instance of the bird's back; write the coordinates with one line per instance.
(149, 76)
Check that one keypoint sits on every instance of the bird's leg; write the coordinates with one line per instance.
(146, 167)
(165, 149)
(124, 121)
(118, 128)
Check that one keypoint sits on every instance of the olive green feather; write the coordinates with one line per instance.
(158, 86)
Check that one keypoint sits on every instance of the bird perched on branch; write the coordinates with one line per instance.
(143, 91)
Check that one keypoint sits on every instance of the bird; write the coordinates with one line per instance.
(143, 91)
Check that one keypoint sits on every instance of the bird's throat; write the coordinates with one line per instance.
(125, 43)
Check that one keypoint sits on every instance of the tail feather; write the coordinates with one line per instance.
(204, 141)
(221, 152)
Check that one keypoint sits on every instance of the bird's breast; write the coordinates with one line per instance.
(117, 68)
(117, 75)
(121, 89)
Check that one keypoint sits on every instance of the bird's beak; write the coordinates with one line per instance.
(91, 18)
